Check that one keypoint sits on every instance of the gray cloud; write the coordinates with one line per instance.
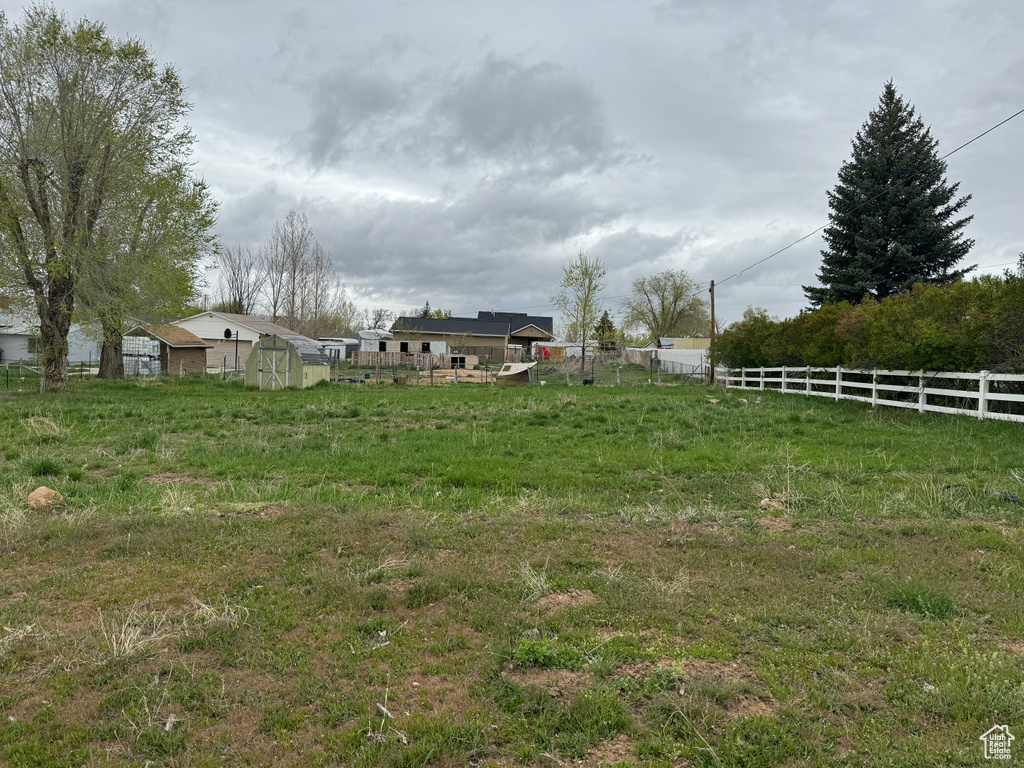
(500, 115)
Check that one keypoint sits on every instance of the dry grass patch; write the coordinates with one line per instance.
(174, 478)
(775, 524)
(558, 601)
(557, 682)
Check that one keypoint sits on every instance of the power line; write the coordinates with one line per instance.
(811, 234)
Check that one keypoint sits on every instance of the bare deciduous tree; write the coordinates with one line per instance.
(301, 286)
(241, 279)
(378, 317)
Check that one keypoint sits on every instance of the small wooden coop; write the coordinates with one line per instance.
(277, 362)
(180, 352)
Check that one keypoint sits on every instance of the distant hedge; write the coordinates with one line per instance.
(967, 326)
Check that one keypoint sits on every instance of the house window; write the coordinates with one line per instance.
(403, 347)
(34, 344)
(382, 346)
(458, 362)
(426, 347)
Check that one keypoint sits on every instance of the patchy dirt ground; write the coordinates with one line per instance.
(573, 598)
(775, 524)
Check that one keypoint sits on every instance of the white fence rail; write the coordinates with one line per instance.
(984, 395)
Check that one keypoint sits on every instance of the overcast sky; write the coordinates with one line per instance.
(460, 152)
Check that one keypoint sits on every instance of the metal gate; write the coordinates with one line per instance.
(273, 369)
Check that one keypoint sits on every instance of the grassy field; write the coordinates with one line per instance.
(378, 576)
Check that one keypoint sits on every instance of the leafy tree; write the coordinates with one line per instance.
(85, 121)
(894, 217)
(605, 333)
(669, 303)
(146, 258)
(582, 281)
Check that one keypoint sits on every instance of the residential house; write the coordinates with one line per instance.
(490, 334)
(523, 330)
(231, 337)
(19, 340)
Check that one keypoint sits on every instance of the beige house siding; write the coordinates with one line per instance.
(222, 348)
(454, 341)
(692, 342)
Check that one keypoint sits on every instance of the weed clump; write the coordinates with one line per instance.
(42, 466)
(923, 600)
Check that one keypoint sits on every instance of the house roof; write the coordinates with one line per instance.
(517, 321)
(253, 323)
(452, 326)
(172, 336)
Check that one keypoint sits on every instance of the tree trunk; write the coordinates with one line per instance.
(111, 357)
(54, 323)
(111, 353)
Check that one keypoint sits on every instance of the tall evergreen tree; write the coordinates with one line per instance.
(893, 214)
(605, 333)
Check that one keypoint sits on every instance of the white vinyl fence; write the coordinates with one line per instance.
(984, 395)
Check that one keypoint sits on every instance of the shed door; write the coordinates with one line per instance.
(272, 368)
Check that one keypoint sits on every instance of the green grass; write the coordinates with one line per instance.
(515, 575)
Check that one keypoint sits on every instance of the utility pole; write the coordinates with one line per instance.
(711, 368)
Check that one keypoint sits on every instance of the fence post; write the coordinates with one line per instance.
(762, 378)
(874, 387)
(983, 395)
(783, 379)
(839, 381)
(922, 398)
(807, 381)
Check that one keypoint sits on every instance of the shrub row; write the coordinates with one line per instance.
(967, 326)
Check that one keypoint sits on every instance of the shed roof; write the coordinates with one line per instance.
(172, 336)
(309, 351)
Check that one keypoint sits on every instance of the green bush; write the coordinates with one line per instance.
(967, 326)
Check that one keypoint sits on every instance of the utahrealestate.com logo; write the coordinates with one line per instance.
(997, 742)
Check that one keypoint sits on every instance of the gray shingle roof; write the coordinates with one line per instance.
(518, 320)
(451, 325)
